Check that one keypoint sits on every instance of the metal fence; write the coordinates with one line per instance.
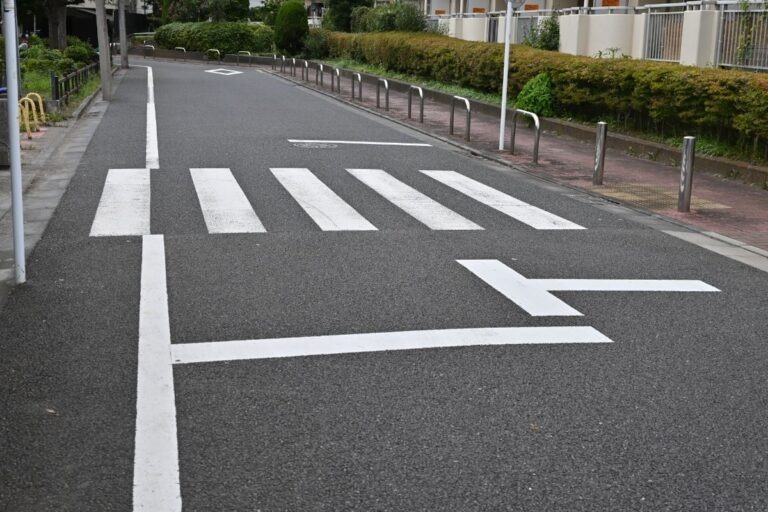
(525, 27)
(664, 36)
(743, 40)
(63, 87)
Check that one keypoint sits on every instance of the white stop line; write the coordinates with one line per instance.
(156, 463)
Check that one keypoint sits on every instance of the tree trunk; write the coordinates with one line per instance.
(57, 24)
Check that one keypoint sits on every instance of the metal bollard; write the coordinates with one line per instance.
(336, 75)
(305, 71)
(421, 100)
(686, 174)
(602, 132)
(319, 74)
(469, 114)
(359, 78)
(386, 93)
(282, 64)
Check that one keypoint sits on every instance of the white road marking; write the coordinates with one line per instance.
(156, 457)
(519, 210)
(533, 295)
(153, 153)
(124, 205)
(413, 202)
(224, 205)
(362, 143)
(379, 342)
(224, 72)
(535, 300)
(328, 210)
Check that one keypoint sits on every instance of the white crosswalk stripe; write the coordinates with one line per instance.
(327, 209)
(225, 207)
(519, 210)
(417, 205)
(124, 205)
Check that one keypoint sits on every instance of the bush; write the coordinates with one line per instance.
(291, 27)
(228, 37)
(545, 36)
(398, 16)
(662, 98)
(316, 44)
(359, 19)
(536, 96)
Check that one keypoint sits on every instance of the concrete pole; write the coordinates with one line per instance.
(104, 60)
(14, 144)
(123, 35)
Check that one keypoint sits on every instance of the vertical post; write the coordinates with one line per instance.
(686, 175)
(14, 144)
(123, 35)
(104, 56)
(602, 132)
(505, 78)
(54, 86)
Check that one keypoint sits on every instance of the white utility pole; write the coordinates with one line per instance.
(123, 35)
(511, 6)
(104, 60)
(14, 144)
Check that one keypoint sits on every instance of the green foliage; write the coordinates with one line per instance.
(38, 58)
(316, 44)
(228, 37)
(359, 19)
(396, 16)
(291, 27)
(665, 99)
(338, 13)
(536, 96)
(267, 12)
(545, 36)
(199, 10)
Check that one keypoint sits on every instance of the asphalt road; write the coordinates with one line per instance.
(670, 414)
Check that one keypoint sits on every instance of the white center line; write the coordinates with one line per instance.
(156, 457)
(152, 151)
(328, 210)
(380, 342)
(361, 143)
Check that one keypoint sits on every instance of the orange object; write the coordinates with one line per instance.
(478, 10)
(531, 7)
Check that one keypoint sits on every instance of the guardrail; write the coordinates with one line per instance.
(243, 53)
(421, 101)
(64, 87)
(469, 114)
(336, 75)
(214, 50)
(320, 75)
(180, 49)
(537, 125)
(357, 77)
(386, 93)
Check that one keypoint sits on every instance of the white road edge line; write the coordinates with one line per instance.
(152, 151)
(156, 458)
(379, 342)
(361, 142)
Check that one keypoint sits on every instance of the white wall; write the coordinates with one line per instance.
(475, 29)
(573, 34)
(699, 41)
(638, 37)
(610, 31)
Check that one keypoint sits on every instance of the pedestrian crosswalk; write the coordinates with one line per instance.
(124, 207)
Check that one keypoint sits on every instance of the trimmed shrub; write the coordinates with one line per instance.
(291, 27)
(662, 98)
(536, 96)
(229, 37)
(316, 44)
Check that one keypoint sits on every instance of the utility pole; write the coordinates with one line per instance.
(14, 144)
(123, 35)
(511, 6)
(104, 60)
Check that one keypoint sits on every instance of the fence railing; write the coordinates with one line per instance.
(743, 38)
(62, 88)
(664, 36)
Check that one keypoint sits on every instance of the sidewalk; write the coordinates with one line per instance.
(726, 209)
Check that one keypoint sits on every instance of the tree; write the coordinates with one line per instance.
(291, 27)
(228, 10)
(339, 12)
(267, 12)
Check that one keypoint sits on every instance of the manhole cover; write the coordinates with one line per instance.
(314, 145)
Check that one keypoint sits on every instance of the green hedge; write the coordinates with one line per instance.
(228, 37)
(661, 98)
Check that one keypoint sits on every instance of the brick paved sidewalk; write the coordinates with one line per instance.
(726, 207)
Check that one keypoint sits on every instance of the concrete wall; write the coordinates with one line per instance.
(638, 36)
(475, 29)
(699, 38)
(609, 31)
(573, 34)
